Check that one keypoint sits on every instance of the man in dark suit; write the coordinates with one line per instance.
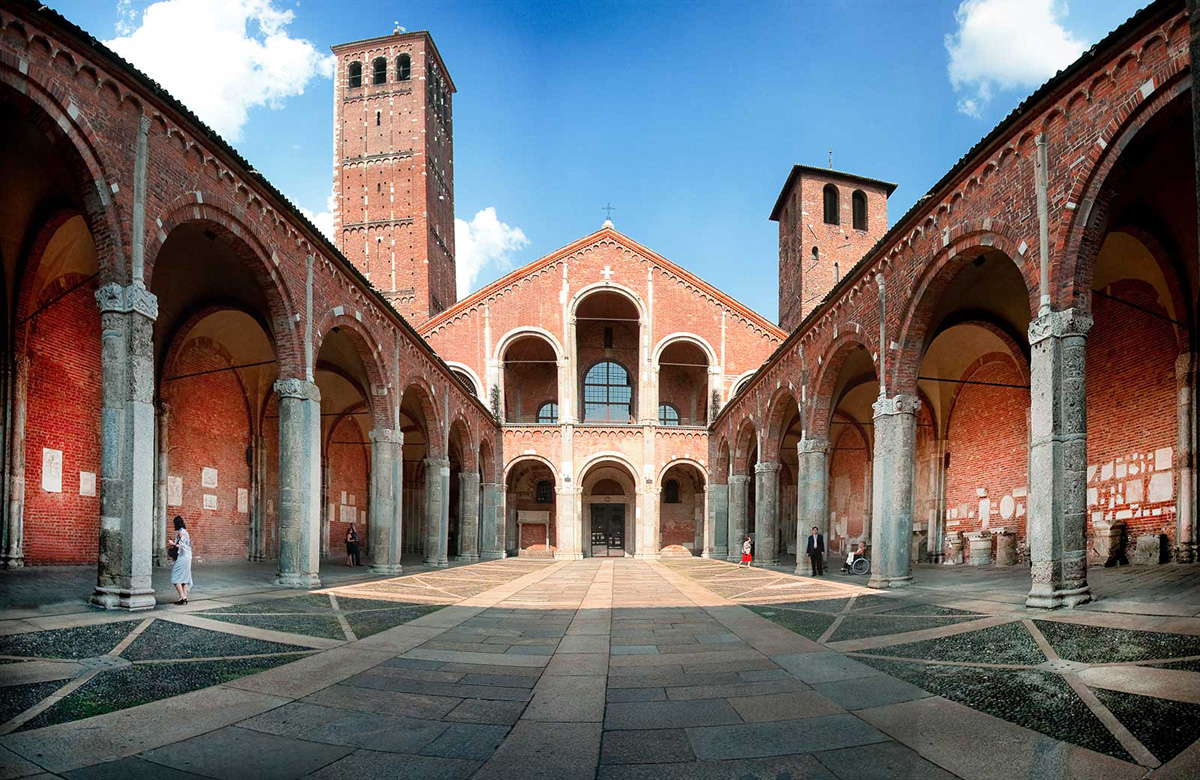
(816, 549)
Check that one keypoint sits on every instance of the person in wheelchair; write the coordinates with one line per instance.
(855, 553)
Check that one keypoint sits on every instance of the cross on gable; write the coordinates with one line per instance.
(607, 273)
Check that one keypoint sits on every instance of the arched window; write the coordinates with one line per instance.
(671, 491)
(607, 394)
(545, 492)
(355, 74)
(403, 67)
(379, 68)
(548, 413)
(831, 205)
(859, 202)
(668, 415)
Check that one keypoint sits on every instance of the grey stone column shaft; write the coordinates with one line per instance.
(14, 537)
(258, 507)
(892, 491)
(491, 524)
(385, 526)
(1185, 459)
(568, 526)
(718, 521)
(437, 483)
(161, 467)
(812, 498)
(468, 516)
(739, 485)
(1058, 460)
(299, 483)
(766, 512)
(127, 316)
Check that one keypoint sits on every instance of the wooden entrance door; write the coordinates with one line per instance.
(608, 530)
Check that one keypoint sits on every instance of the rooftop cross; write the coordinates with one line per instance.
(608, 210)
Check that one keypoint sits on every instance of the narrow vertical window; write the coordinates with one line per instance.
(608, 338)
(831, 205)
(378, 116)
(859, 201)
(545, 490)
(354, 73)
(379, 68)
(671, 491)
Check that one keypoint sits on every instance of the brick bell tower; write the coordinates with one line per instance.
(393, 169)
(827, 221)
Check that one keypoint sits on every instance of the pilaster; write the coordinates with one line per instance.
(437, 484)
(716, 534)
(468, 516)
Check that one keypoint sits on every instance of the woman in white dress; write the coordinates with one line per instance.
(181, 572)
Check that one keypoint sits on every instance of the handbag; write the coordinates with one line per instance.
(173, 553)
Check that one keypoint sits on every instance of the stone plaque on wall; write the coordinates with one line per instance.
(52, 470)
(174, 491)
(208, 477)
(87, 483)
(243, 500)
(210, 501)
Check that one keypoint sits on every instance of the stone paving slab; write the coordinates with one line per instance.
(414, 705)
(370, 765)
(778, 738)
(311, 673)
(882, 761)
(373, 731)
(863, 692)
(235, 753)
(783, 706)
(656, 746)
(669, 714)
(130, 769)
(535, 751)
(775, 768)
(824, 667)
(568, 699)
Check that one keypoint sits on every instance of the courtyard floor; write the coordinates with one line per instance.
(614, 669)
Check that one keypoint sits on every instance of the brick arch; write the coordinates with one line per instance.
(529, 457)
(851, 422)
(75, 138)
(178, 336)
(177, 351)
(720, 472)
(1183, 306)
(745, 439)
(487, 459)
(218, 213)
(435, 440)
(683, 461)
(931, 285)
(1077, 243)
(830, 366)
(983, 361)
(369, 352)
(460, 428)
(775, 422)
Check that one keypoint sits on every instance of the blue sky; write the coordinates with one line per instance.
(686, 116)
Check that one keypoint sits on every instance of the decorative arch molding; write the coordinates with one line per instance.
(468, 448)
(599, 287)
(1077, 244)
(1173, 277)
(697, 465)
(370, 353)
(721, 461)
(742, 377)
(609, 455)
(745, 438)
(527, 458)
(829, 365)
(435, 435)
(487, 459)
(526, 330)
(774, 427)
(925, 293)
(691, 338)
(175, 339)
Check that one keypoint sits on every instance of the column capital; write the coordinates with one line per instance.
(123, 299)
(467, 476)
(1185, 364)
(438, 462)
(297, 388)
(806, 445)
(897, 404)
(739, 478)
(766, 467)
(387, 436)
(1058, 324)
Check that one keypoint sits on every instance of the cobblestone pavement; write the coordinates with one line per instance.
(610, 669)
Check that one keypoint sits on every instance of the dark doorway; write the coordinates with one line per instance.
(608, 530)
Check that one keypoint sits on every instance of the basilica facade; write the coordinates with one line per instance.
(1004, 374)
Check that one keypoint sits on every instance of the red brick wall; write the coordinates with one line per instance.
(349, 471)
(988, 443)
(64, 396)
(522, 496)
(1131, 413)
(210, 428)
(848, 488)
(677, 522)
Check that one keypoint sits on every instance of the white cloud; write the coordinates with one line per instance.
(484, 241)
(322, 219)
(1007, 44)
(220, 57)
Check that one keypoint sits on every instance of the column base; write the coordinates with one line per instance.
(118, 598)
(882, 582)
(1185, 553)
(493, 556)
(308, 581)
(564, 555)
(1046, 597)
(384, 569)
(766, 562)
(716, 554)
(442, 562)
(468, 558)
(14, 562)
(435, 563)
(646, 556)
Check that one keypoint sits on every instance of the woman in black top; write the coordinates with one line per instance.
(353, 544)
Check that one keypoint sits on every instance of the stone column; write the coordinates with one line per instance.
(739, 484)
(491, 524)
(716, 534)
(812, 498)
(1185, 463)
(14, 537)
(299, 483)
(161, 467)
(323, 505)
(468, 516)
(127, 316)
(387, 453)
(1058, 460)
(568, 532)
(892, 491)
(437, 483)
(258, 504)
(766, 513)
(645, 526)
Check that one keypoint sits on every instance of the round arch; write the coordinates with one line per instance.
(470, 374)
(607, 455)
(602, 287)
(526, 330)
(682, 461)
(368, 351)
(423, 393)
(691, 338)
(527, 457)
(830, 366)
(741, 382)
